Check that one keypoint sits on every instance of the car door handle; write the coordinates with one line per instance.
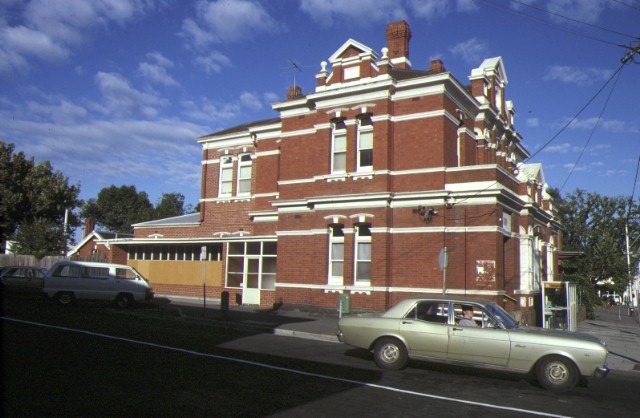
(407, 322)
(458, 329)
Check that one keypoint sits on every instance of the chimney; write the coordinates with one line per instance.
(398, 36)
(294, 92)
(89, 226)
(437, 66)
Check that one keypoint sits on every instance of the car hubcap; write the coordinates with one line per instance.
(389, 353)
(557, 373)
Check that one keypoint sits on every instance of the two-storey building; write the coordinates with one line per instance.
(359, 187)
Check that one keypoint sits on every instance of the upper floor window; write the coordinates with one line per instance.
(339, 147)
(362, 254)
(365, 145)
(226, 176)
(336, 254)
(244, 174)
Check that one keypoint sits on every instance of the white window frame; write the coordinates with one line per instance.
(338, 134)
(358, 241)
(365, 130)
(226, 166)
(335, 239)
(244, 179)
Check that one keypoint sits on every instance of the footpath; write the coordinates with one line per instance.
(613, 325)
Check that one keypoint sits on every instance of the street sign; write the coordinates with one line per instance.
(443, 258)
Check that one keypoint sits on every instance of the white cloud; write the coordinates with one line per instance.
(583, 10)
(575, 75)
(49, 30)
(559, 148)
(250, 100)
(122, 99)
(355, 12)
(213, 62)
(472, 51)
(155, 69)
(533, 122)
(227, 21)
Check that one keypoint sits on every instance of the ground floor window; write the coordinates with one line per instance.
(362, 254)
(174, 252)
(251, 264)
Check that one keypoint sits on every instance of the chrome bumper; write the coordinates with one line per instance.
(340, 336)
(601, 371)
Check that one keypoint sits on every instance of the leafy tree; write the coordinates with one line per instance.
(39, 238)
(32, 192)
(170, 204)
(117, 208)
(595, 226)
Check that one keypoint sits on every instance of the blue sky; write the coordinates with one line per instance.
(117, 91)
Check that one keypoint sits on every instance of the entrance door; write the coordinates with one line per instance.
(251, 281)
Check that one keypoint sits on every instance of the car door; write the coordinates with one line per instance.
(482, 344)
(425, 329)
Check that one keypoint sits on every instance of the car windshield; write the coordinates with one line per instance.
(501, 316)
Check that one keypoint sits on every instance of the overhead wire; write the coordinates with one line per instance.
(545, 23)
(595, 125)
(626, 4)
(571, 19)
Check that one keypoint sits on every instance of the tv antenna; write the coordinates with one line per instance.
(294, 68)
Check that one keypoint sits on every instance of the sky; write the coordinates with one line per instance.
(116, 92)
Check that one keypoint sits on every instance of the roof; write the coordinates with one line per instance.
(241, 128)
(98, 236)
(189, 219)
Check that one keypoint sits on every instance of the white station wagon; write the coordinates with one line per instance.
(435, 329)
(67, 281)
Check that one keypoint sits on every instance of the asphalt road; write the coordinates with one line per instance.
(93, 360)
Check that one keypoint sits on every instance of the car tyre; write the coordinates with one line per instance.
(557, 373)
(390, 354)
(65, 298)
(124, 300)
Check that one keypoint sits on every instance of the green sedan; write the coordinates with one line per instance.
(477, 333)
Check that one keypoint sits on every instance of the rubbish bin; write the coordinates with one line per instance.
(344, 304)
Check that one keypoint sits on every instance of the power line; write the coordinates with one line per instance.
(543, 22)
(572, 19)
(627, 4)
(595, 125)
(582, 109)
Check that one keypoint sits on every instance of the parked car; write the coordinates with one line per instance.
(68, 281)
(429, 329)
(22, 279)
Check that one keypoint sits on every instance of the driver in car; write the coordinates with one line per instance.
(467, 320)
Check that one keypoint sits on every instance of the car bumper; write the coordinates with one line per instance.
(601, 371)
(340, 336)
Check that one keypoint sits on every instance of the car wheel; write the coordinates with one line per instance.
(124, 300)
(390, 354)
(557, 373)
(66, 298)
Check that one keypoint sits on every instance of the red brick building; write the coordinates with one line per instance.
(356, 188)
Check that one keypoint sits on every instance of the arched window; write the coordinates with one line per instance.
(336, 254)
(362, 254)
(244, 174)
(226, 176)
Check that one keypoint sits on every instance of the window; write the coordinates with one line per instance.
(226, 176)
(363, 255)
(339, 148)
(430, 311)
(336, 254)
(254, 261)
(365, 145)
(244, 174)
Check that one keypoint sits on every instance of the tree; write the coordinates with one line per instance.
(117, 208)
(595, 226)
(39, 238)
(32, 192)
(170, 204)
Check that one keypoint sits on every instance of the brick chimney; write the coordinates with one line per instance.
(294, 92)
(89, 226)
(437, 66)
(398, 36)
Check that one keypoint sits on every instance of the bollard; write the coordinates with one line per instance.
(224, 304)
